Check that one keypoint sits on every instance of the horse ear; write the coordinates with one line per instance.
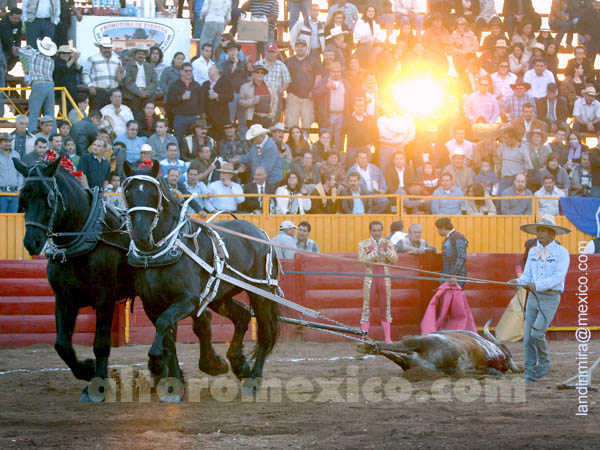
(21, 168)
(127, 170)
(50, 171)
(155, 168)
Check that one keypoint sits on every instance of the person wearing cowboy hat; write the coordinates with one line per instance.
(335, 42)
(492, 58)
(41, 68)
(66, 70)
(512, 106)
(586, 112)
(236, 67)
(263, 153)
(102, 73)
(258, 99)
(225, 186)
(538, 155)
(539, 78)
(140, 81)
(544, 275)
(462, 174)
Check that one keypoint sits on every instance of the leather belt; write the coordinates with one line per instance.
(8, 188)
(550, 292)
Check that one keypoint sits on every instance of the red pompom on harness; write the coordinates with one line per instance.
(65, 163)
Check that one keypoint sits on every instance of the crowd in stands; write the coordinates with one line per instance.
(317, 116)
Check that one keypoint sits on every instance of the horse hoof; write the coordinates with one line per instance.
(170, 390)
(250, 386)
(157, 367)
(85, 397)
(215, 366)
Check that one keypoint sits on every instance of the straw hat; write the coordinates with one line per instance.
(539, 46)
(537, 130)
(501, 43)
(46, 46)
(65, 49)
(520, 82)
(227, 168)
(590, 90)
(546, 221)
(255, 130)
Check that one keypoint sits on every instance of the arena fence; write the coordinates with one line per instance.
(17, 98)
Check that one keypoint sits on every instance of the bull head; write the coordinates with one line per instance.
(490, 337)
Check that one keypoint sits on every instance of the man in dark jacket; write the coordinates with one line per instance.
(85, 131)
(552, 109)
(589, 26)
(454, 249)
(258, 186)
(135, 95)
(517, 13)
(185, 101)
(11, 30)
(357, 205)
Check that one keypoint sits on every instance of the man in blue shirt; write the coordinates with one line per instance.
(263, 153)
(544, 275)
(447, 189)
(133, 142)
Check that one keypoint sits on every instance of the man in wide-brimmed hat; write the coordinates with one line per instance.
(586, 112)
(225, 186)
(263, 153)
(512, 106)
(544, 275)
(103, 72)
(258, 99)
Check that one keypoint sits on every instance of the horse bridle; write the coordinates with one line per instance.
(53, 198)
(156, 211)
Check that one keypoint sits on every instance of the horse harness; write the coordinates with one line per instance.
(90, 234)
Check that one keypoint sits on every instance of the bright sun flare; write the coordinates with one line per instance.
(419, 97)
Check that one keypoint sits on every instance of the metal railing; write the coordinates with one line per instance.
(22, 99)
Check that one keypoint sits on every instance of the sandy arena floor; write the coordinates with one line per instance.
(317, 402)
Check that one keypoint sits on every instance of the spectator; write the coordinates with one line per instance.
(395, 131)
(278, 75)
(429, 176)
(459, 143)
(258, 99)
(581, 178)
(201, 64)
(539, 78)
(64, 129)
(580, 58)
(595, 164)
(399, 175)
(22, 139)
(372, 180)
(333, 94)
(184, 100)
(553, 110)
(412, 243)
(356, 205)
(559, 174)
(527, 121)
(259, 185)
(194, 186)
(217, 93)
(116, 113)
(196, 138)
(327, 187)
(369, 37)
(551, 57)
(548, 189)
(215, 14)
(559, 145)
(514, 157)
(114, 187)
(519, 13)
(147, 118)
(140, 82)
(436, 39)
(304, 72)
(155, 58)
(571, 88)
(299, 204)
(464, 46)
(490, 60)
(360, 130)
(179, 191)
(589, 26)
(296, 142)
(576, 148)
(479, 207)
(518, 60)
(40, 19)
(586, 112)
(447, 189)
(171, 161)
(350, 13)
(85, 131)
(268, 9)
(561, 22)
(223, 186)
(285, 238)
(406, 12)
(172, 73)
(95, 167)
(205, 164)
(10, 36)
(278, 133)
(486, 176)
(322, 148)
(161, 139)
(38, 153)
(70, 151)
(481, 106)
(83, 102)
(538, 155)
(334, 166)
(232, 144)
(397, 232)
(55, 143)
(66, 72)
(46, 127)
(11, 181)
(236, 69)
(102, 73)
(462, 175)
(503, 80)
(518, 207)
(311, 30)
(263, 153)
(303, 242)
(133, 142)
(41, 68)
(220, 52)
(496, 33)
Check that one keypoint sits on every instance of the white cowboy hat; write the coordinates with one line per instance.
(547, 221)
(279, 126)
(146, 148)
(105, 42)
(46, 46)
(335, 31)
(458, 152)
(255, 131)
(539, 46)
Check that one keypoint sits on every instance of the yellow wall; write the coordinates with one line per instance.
(341, 233)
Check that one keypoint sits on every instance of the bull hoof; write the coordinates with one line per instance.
(250, 386)
(214, 366)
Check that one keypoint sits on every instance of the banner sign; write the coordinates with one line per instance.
(170, 34)
(583, 213)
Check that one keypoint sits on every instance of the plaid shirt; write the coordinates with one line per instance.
(513, 105)
(100, 72)
(40, 67)
(278, 75)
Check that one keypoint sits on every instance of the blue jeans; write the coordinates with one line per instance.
(336, 121)
(538, 315)
(295, 8)
(180, 124)
(198, 25)
(233, 107)
(38, 29)
(41, 100)
(8, 203)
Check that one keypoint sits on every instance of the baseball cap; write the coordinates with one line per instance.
(286, 225)
(272, 46)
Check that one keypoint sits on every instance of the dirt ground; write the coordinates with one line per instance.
(320, 396)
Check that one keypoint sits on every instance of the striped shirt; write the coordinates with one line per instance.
(278, 74)
(40, 67)
(265, 8)
(100, 72)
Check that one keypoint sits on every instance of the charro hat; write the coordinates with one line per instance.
(105, 42)
(546, 221)
(46, 46)
(255, 130)
(227, 168)
(286, 225)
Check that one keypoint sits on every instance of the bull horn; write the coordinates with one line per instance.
(488, 334)
(513, 367)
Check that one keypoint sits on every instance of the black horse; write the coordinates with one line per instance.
(172, 291)
(93, 273)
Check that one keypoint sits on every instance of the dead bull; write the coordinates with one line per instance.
(453, 352)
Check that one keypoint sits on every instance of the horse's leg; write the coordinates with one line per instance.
(210, 361)
(66, 314)
(180, 309)
(240, 317)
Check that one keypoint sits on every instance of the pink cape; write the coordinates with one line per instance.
(455, 312)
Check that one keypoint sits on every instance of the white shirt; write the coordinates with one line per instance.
(585, 112)
(120, 120)
(397, 236)
(140, 79)
(396, 130)
(502, 85)
(465, 146)
(548, 206)
(539, 84)
(200, 69)
(400, 179)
